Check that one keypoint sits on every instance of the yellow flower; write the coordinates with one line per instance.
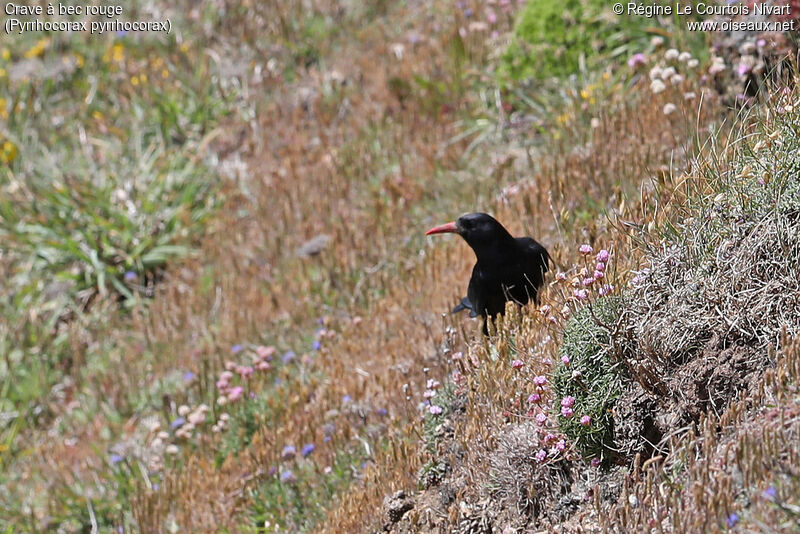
(563, 118)
(3, 72)
(143, 77)
(606, 75)
(585, 94)
(80, 61)
(3, 110)
(134, 81)
(9, 152)
(97, 115)
(37, 49)
(118, 52)
(165, 73)
(5, 54)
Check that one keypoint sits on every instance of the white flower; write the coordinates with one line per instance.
(657, 86)
(655, 73)
(671, 54)
(668, 73)
(669, 108)
(692, 63)
(676, 79)
(684, 57)
(689, 96)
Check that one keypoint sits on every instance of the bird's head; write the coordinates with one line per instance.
(481, 231)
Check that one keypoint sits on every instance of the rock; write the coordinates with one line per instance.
(314, 246)
(396, 505)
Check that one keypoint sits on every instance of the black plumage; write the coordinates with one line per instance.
(507, 267)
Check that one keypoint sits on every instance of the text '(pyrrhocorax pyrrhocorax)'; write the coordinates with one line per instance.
(508, 268)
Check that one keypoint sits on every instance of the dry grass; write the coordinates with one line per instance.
(341, 143)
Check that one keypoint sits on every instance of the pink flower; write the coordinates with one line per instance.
(491, 16)
(567, 412)
(263, 366)
(229, 365)
(534, 397)
(549, 437)
(565, 359)
(606, 289)
(225, 375)
(568, 401)
(581, 294)
(586, 420)
(541, 419)
(222, 384)
(265, 353)
(595, 462)
(561, 276)
(435, 410)
(517, 364)
(235, 393)
(433, 384)
(598, 275)
(603, 256)
(561, 445)
(637, 59)
(588, 281)
(540, 380)
(429, 393)
(600, 266)
(541, 456)
(586, 249)
(244, 371)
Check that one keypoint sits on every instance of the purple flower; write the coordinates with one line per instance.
(188, 376)
(534, 397)
(307, 449)
(129, 276)
(316, 345)
(287, 477)
(517, 364)
(603, 256)
(468, 12)
(743, 69)
(585, 249)
(177, 423)
(637, 59)
(568, 401)
(288, 356)
(116, 458)
(288, 453)
(346, 399)
(770, 493)
(586, 420)
(733, 519)
(595, 462)
(541, 456)
(236, 349)
(541, 419)
(561, 445)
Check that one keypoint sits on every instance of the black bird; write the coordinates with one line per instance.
(508, 268)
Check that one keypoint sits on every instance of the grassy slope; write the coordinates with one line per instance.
(342, 140)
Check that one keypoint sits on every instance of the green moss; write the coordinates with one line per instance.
(552, 36)
(598, 381)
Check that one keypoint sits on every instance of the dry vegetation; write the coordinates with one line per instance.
(280, 375)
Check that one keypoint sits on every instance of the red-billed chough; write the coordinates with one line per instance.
(508, 268)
